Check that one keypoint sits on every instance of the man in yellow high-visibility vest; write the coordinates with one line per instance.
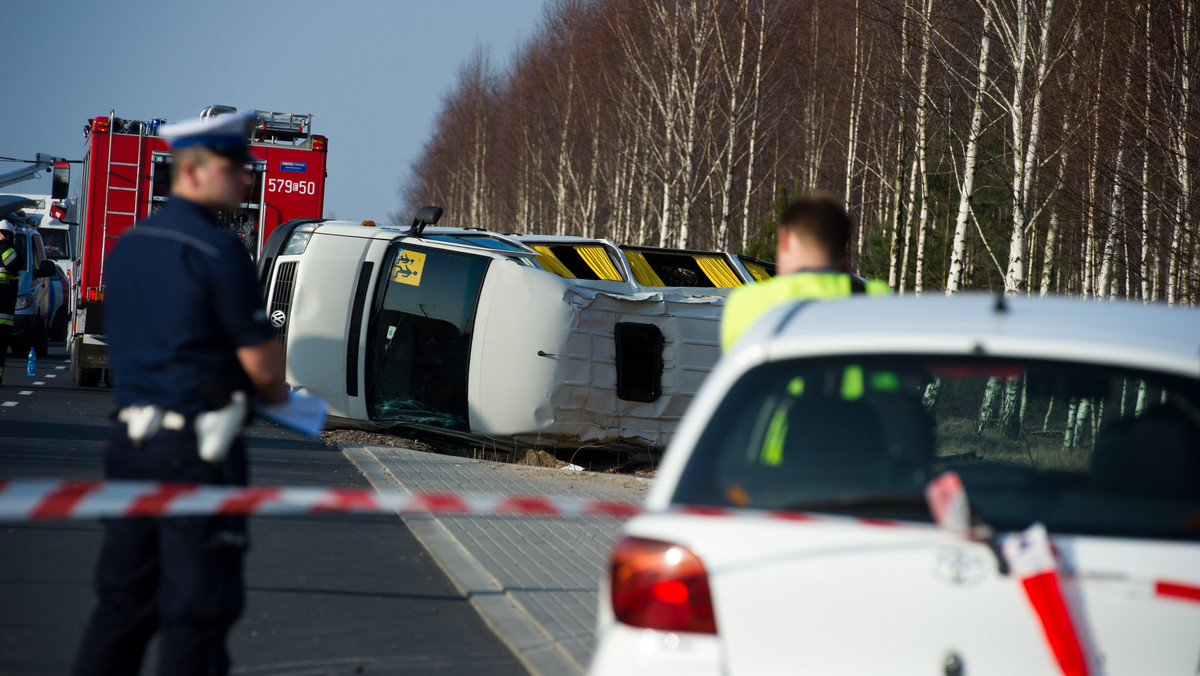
(812, 263)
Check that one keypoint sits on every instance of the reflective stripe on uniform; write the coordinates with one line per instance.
(772, 448)
(8, 256)
(746, 304)
(6, 319)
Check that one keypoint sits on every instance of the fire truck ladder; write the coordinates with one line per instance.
(109, 188)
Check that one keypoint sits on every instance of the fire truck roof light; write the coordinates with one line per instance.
(319, 143)
(100, 124)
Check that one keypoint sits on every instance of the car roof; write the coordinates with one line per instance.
(1130, 334)
(1136, 334)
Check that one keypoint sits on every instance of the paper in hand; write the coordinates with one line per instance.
(302, 412)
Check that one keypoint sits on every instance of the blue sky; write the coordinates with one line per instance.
(372, 73)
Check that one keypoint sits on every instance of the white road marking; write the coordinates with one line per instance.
(9, 403)
(51, 375)
(25, 393)
(39, 382)
(60, 368)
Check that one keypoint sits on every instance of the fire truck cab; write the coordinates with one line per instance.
(126, 178)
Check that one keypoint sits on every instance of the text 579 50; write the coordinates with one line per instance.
(289, 186)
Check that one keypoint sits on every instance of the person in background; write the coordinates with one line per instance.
(11, 265)
(812, 262)
(189, 344)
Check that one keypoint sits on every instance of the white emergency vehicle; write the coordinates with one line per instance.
(932, 485)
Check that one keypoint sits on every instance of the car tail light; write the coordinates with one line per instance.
(660, 585)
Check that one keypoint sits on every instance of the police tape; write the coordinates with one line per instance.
(66, 499)
(70, 499)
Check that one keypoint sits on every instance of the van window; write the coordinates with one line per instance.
(57, 246)
(578, 261)
(419, 336)
(664, 267)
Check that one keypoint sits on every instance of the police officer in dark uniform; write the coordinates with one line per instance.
(189, 342)
(10, 278)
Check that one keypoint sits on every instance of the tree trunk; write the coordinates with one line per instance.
(923, 143)
(1182, 134)
(959, 248)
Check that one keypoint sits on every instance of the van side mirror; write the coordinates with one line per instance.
(47, 268)
(60, 183)
(428, 215)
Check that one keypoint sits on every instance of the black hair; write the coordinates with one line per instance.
(821, 217)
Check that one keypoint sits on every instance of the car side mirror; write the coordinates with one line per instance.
(47, 268)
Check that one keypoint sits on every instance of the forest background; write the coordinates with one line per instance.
(1034, 146)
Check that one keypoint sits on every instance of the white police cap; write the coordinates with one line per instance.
(223, 134)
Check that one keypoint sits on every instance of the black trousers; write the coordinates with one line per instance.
(8, 305)
(179, 576)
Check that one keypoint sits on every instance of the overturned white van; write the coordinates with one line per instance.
(514, 339)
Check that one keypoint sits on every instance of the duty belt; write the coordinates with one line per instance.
(215, 430)
(143, 422)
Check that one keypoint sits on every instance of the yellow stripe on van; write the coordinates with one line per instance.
(642, 272)
(551, 262)
(597, 259)
(718, 272)
(758, 271)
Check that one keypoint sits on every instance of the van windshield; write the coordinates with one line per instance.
(419, 343)
(1082, 448)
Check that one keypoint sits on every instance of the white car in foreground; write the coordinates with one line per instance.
(789, 531)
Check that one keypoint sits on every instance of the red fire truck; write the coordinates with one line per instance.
(126, 178)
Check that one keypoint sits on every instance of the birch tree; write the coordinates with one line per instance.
(1025, 114)
(1181, 135)
(970, 156)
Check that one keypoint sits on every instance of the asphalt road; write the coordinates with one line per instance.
(325, 595)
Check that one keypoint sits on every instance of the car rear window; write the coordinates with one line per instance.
(1082, 448)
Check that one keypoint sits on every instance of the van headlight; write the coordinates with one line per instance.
(298, 240)
(24, 302)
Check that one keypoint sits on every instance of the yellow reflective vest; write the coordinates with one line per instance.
(9, 266)
(746, 304)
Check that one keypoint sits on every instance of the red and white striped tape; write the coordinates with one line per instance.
(67, 499)
(32, 500)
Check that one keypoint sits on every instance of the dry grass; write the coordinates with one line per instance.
(1041, 450)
